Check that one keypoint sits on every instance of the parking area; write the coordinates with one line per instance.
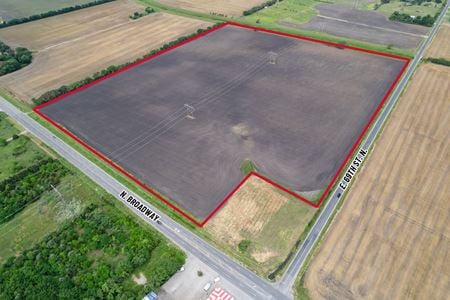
(190, 284)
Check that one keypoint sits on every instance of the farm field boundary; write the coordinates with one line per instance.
(214, 211)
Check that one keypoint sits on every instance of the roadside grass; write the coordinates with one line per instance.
(17, 155)
(426, 8)
(22, 105)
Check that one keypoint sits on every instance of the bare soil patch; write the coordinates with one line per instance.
(73, 46)
(440, 48)
(231, 8)
(391, 239)
(140, 279)
(296, 120)
(271, 220)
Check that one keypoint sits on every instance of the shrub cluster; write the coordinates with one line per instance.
(47, 96)
(137, 15)
(27, 186)
(427, 20)
(259, 7)
(92, 257)
(51, 13)
(243, 245)
(12, 60)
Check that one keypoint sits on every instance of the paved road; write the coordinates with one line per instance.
(256, 287)
(286, 282)
(246, 280)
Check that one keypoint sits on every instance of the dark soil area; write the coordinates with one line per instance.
(366, 26)
(296, 120)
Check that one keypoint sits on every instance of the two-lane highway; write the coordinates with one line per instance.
(256, 287)
(253, 285)
(286, 282)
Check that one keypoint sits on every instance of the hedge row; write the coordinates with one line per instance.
(439, 61)
(260, 7)
(51, 13)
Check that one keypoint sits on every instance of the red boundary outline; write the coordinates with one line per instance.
(170, 204)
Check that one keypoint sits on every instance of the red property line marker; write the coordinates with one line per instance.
(217, 27)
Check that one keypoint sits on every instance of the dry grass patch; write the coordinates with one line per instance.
(440, 48)
(263, 217)
(231, 8)
(392, 238)
(73, 46)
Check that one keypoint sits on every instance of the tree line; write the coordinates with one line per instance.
(91, 257)
(47, 96)
(260, 7)
(13, 59)
(27, 186)
(439, 61)
(427, 20)
(51, 13)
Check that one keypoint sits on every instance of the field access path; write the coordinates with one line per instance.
(289, 277)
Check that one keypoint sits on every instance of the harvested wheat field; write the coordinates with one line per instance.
(73, 46)
(391, 240)
(440, 48)
(231, 8)
(264, 215)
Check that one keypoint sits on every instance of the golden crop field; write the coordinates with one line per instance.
(391, 239)
(264, 215)
(73, 46)
(231, 8)
(440, 48)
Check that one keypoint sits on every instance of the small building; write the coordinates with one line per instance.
(151, 296)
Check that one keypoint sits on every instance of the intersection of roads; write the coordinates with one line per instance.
(255, 286)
